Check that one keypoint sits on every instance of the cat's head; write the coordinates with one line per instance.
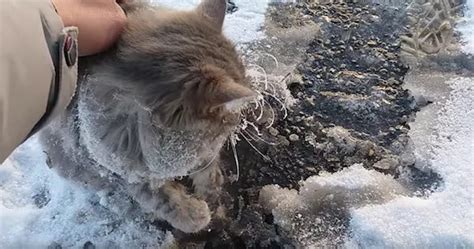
(180, 68)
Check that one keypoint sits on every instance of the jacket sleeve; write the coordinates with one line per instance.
(38, 70)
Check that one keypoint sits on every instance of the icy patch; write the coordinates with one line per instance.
(446, 218)
(365, 209)
(317, 215)
(242, 26)
(38, 209)
(466, 27)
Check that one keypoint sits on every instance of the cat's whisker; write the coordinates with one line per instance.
(273, 115)
(265, 157)
(206, 166)
(260, 138)
(251, 136)
(283, 107)
(260, 104)
(255, 128)
(274, 59)
(260, 72)
(272, 85)
(233, 141)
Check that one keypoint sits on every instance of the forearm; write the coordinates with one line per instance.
(37, 72)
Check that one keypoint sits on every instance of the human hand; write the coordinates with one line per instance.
(100, 22)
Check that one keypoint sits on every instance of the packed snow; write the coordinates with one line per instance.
(40, 209)
(317, 214)
(242, 26)
(442, 219)
(466, 27)
(377, 210)
(445, 219)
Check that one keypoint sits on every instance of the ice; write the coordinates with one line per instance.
(466, 27)
(446, 218)
(360, 208)
(39, 209)
(379, 212)
(317, 215)
(244, 25)
(442, 219)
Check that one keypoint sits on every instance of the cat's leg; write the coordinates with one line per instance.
(208, 182)
(170, 202)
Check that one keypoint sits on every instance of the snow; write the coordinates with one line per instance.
(377, 210)
(242, 26)
(466, 28)
(445, 219)
(38, 208)
(315, 216)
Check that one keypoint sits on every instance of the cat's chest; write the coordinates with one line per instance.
(178, 153)
(128, 146)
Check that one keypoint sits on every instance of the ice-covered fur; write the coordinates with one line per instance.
(158, 106)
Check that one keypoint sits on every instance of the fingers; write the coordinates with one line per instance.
(100, 22)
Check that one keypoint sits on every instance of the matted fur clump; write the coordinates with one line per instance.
(158, 106)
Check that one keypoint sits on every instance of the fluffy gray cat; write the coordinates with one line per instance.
(157, 107)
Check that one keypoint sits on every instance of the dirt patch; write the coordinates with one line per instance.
(350, 108)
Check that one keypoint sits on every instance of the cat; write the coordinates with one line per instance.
(158, 106)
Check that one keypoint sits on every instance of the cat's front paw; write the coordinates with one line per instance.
(189, 215)
(208, 183)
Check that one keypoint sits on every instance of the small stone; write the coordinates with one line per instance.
(283, 141)
(390, 162)
(88, 245)
(370, 153)
(374, 18)
(310, 100)
(274, 132)
(308, 122)
(422, 101)
(326, 18)
(372, 43)
(294, 137)
(55, 245)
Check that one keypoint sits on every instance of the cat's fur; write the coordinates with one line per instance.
(158, 106)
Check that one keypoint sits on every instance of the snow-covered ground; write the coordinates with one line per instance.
(466, 28)
(445, 219)
(245, 25)
(37, 207)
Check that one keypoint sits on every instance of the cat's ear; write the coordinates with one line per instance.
(215, 10)
(232, 96)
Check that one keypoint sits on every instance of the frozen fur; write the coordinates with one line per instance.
(158, 106)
